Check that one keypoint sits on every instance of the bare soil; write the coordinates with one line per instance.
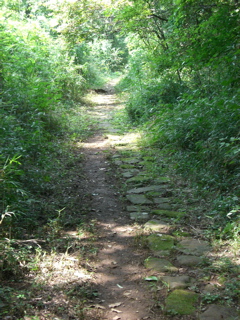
(119, 270)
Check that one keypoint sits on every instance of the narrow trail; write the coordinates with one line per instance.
(118, 269)
(148, 265)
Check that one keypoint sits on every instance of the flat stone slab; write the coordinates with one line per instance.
(131, 160)
(157, 225)
(162, 180)
(138, 199)
(188, 261)
(159, 265)
(130, 173)
(139, 216)
(146, 189)
(137, 208)
(168, 213)
(127, 166)
(194, 247)
(140, 178)
(181, 302)
(118, 162)
(161, 244)
(161, 200)
(219, 312)
(178, 282)
(164, 206)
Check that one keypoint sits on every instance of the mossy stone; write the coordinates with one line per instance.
(181, 302)
(168, 213)
(148, 189)
(129, 173)
(157, 225)
(137, 208)
(131, 160)
(164, 206)
(139, 216)
(188, 260)
(194, 246)
(219, 312)
(155, 194)
(161, 200)
(139, 179)
(160, 242)
(117, 162)
(159, 265)
(162, 180)
(127, 166)
(138, 199)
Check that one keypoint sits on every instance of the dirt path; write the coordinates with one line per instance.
(118, 270)
(136, 256)
(150, 264)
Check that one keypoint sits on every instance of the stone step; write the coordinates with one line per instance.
(192, 246)
(159, 265)
(139, 216)
(157, 226)
(147, 189)
(220, 312)
(168, 213)
(161, 244)
(138, 199)
(181, 302)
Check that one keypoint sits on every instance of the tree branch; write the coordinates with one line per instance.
(153, 15)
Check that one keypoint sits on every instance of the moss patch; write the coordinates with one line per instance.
(181, 302)
(160, 242)
(127, 166)
(168, 213)
(179, 233)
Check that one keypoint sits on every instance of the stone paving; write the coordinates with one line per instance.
(150, 203)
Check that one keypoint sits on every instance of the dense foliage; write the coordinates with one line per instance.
(42, 71)
(183, 82)
(36, 74)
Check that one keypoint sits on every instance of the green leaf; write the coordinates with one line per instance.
(151, 278)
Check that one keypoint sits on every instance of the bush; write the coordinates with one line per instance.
(36, 75)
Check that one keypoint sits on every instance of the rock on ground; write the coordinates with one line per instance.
(219, 312)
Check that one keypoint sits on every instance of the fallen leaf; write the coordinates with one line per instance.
(116, 318)
(113, 305)
(119, 286)
(98, 306)
(152, 278)
(127, 293)
(117, 311)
